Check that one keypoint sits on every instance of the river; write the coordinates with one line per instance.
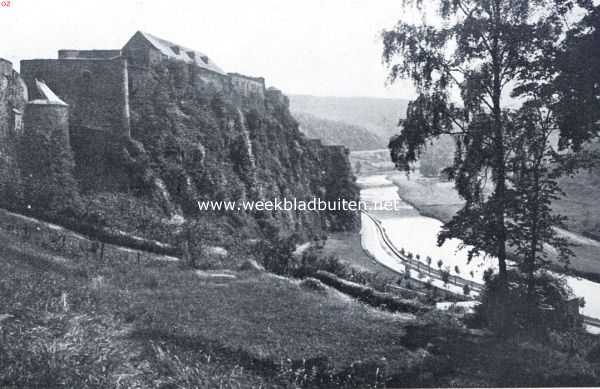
(417, 234)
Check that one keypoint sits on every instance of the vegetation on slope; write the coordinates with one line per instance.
(333, 132)
(71, 324)
(378, 115)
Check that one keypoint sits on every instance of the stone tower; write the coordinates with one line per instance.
(46, 115)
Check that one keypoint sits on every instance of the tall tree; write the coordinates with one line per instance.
(561, 97)
(478, 51)
(483, 51)
(577, 85)
(534, 165)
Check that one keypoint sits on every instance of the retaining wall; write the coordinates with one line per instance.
(95, 89)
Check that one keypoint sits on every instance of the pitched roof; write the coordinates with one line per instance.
(48, 97)
(185, 54)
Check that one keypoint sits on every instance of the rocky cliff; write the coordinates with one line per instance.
(205, 144)
(191, 143)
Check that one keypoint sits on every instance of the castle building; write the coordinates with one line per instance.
(96, 83)
(145, 50)
(47, 114)
(12, 96)
(94, 87)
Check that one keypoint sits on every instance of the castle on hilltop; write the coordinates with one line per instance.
(164, 123)
(96, 84)
(94, 88)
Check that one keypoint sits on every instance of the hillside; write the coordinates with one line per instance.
(334, 132)
(70, 323)
(189, 142)
(378, 115)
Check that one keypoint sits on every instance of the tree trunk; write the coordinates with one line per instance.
(500, 169)
(530, 265)
(500, 181)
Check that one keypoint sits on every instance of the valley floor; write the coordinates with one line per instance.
(73, 324)
(347, 247)
(439, 199)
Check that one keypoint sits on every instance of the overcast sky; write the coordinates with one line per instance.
(319, 47)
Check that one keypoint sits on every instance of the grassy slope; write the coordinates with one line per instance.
(581, 203)
(347, 247)
(87, 325)
(144, 325)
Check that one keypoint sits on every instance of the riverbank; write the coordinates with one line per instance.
(430, 196)
(439, 200)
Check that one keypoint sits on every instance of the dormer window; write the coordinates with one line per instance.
(204, 59)
(191, 54)
(175, 49)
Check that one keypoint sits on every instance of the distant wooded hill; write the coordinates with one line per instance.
(379, 116)
(333, 132)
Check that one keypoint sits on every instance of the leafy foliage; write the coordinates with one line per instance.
(577, 84)
(480, 50)
(506, 164)
(550, 310)
(437, 156)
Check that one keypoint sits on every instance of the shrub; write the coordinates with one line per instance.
(276, 255)
(311, 262)
(313, 284)
(369, 295)
(466, 290)
(445, 276)
(551, 309)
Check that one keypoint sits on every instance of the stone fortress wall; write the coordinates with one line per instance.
(88, 54)
(96, 83)
(250, 87)
(6, 67)
(96, 90)
(13, 96)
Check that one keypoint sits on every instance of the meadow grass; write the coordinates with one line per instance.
(90, 325)
(68, 324)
